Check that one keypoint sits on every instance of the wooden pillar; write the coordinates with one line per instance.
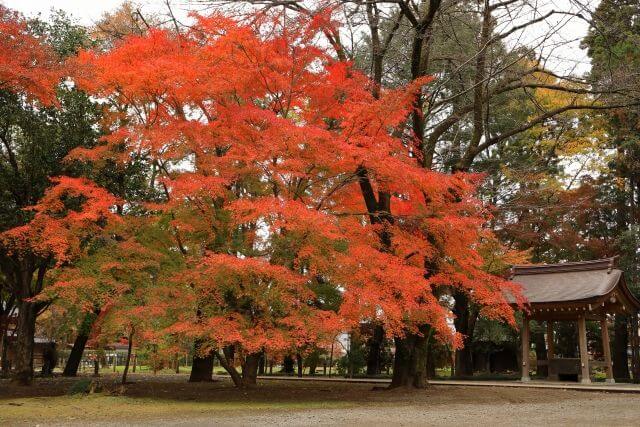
(606, 347)
(635, 350)
(584, 356)
(525, 349)
(551, 346)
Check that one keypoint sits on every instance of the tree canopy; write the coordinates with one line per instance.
(250, 184)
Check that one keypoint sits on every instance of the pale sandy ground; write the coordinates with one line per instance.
(590, 410)
(170, 401)
(444, 406)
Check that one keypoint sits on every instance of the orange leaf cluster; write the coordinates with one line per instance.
(70, 212)
(27, 67)
(263, 146)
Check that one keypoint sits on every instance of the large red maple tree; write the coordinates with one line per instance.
(280, 173)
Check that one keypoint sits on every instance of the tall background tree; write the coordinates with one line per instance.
(42, 120)
(613, 45)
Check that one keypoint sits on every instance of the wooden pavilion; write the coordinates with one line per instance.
(577, 292)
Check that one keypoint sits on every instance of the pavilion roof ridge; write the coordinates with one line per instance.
(596, 264)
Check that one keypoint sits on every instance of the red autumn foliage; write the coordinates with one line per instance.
(27, 66)
(70, 212)
(259, 141)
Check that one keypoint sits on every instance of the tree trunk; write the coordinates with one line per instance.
(249, 375)
(4, 369)
(375, 349)
(620, 345)
(202, 367)
(27, 314)
(635, 349)
(410, 361)
(250, 370)
(49, 359)
(128, 360)
(465, 324)
(75, 357)
(25, 331)
(263, 363)
(541, 353)
(464, 362)
(331, 357)
(287, 365)
(300, 365)
(566, 342)
(102, 357)
(313, 365)
(431, 363)
(7, 306)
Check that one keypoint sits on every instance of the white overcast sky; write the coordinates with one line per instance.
(568, 58)
(87, 11)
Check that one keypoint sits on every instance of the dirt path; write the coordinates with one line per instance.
(581, 412)
(169, 400)
(516, 408)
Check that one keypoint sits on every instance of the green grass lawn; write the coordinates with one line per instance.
(139, 369)
(142, 369)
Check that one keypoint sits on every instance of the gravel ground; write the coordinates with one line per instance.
(566, 409)
(170, 400)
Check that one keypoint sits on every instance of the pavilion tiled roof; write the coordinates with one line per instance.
(583, 281)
